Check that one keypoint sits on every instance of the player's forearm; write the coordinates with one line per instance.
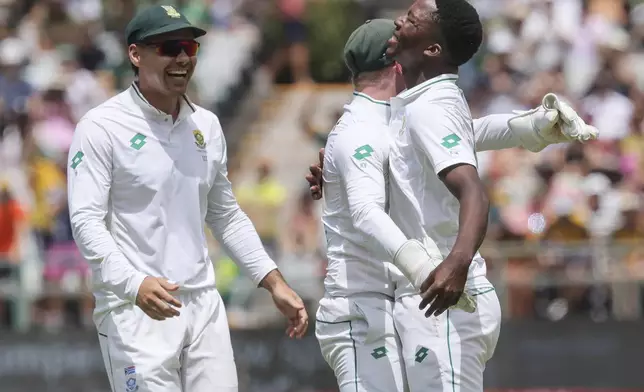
(466, 186)
(493, 133)
(109, 264)
(473, 219)
(272, 280)
(376, 224)
(236, 233)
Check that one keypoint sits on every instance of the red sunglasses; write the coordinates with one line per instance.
(173, 48)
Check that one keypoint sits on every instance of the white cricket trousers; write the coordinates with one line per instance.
(188, 353)
(448, 353)
(358, 340)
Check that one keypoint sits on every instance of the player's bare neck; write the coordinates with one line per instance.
(414, 77)
(379, 92)
(166, 103)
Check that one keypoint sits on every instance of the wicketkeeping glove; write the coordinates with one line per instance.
(570, 125)
(551, 123)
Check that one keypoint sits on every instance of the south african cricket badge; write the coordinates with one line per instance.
(199, 139)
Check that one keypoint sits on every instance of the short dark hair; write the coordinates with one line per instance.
(461, 29)
(135, 69)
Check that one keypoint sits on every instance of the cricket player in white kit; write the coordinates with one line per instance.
(147, 168)
(358, 325)
(439, 201)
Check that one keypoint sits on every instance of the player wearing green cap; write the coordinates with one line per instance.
(365, 314)
(147, 169)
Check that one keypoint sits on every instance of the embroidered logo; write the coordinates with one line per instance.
(173, 13)
(130, 379)
(199, 139)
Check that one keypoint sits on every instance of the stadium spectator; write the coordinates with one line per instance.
(12, 219)
(293, 50)
(262, 200)
(304, 227)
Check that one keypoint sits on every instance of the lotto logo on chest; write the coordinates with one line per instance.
(138, 141)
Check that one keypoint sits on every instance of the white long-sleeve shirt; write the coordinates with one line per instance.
(140, 189)
(360, 234)
(433, 131)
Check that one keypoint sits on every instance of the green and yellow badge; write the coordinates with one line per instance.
(199, 140)
(173, 13)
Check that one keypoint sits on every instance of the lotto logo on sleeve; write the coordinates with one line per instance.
(77, 159)
(451, 141)
(363, 152)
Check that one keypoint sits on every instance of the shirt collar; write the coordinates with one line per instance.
(186, 109)
(414, 92)
(366, 104)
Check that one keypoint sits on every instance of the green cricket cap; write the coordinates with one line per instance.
(155, 20)
(365, 49)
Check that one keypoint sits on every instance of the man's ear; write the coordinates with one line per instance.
(433, 50)
(134, 54)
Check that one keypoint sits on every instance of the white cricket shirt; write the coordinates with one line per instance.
(360, 235)
(140, 189)
(434, 131)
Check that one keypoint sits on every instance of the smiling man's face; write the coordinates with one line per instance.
(167, 74)
(416, 33)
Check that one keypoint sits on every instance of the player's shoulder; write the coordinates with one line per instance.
(442, 96)
(98, 122)
(108, 111)
(202, 114)
(349, 131)
(355, 139)
(446, 103)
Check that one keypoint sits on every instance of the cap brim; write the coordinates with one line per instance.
(174, 27)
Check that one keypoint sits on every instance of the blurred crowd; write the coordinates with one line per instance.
(580, 205)
(566, 225)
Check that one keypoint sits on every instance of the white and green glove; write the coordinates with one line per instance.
(416, 261)
(553, 122)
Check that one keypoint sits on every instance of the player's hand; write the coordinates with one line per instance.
(155, 300)
(445, 285)
(570, 126)
(315, 177)
(291, 306)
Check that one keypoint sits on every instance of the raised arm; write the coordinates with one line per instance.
(551, 122)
